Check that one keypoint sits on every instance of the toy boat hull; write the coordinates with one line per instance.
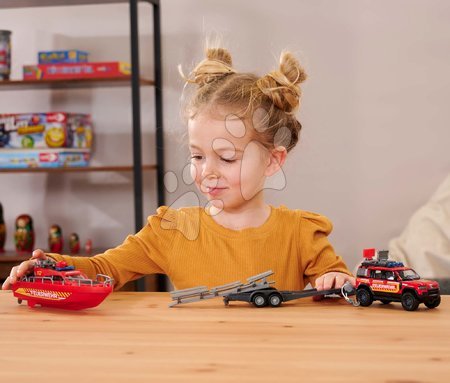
(61, 296)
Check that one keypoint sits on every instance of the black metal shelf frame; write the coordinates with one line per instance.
(135, 98)
(136, 102)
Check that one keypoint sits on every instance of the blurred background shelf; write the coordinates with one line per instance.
(134, 83)
(81, 83)
(52, 3)
(116, 168)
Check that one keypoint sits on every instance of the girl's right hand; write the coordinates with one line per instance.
(24, 268)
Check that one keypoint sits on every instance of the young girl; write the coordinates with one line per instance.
(240, 129)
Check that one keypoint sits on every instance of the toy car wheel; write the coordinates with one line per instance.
(433, 303)
(275, 300)
(410, 302)
(19, 301)
(259, 300)
(385, 301)
(364, 297)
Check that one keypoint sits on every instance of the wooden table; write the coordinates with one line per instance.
(135, 337)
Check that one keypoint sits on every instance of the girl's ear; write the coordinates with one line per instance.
(277, 157)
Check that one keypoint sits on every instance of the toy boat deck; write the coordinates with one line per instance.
(62, 287)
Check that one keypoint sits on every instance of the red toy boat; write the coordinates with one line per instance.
(54, 284)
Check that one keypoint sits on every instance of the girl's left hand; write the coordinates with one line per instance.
(333, 280)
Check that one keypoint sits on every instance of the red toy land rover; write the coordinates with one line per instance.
(389, 281)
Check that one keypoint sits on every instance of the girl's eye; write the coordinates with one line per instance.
(228, 161)
(196, 158)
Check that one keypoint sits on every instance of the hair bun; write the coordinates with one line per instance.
(283, 86)
(216, 66)
(219, 54)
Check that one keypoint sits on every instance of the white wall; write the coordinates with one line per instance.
(375, 139)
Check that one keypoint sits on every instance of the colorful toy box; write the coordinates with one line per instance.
(76, 71)
(45, 130)
(64, 56)
(44, 158)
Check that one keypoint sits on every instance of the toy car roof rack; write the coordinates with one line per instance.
(381, 260)
(388, 263)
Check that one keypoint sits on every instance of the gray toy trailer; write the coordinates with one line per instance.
(257, 290)
(273, 297)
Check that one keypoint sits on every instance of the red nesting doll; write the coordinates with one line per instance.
(74, 243)
(24, 235)
(55, 239)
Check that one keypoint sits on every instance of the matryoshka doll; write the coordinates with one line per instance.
(74, 243)
(24, 235)
(55, 239)
(2, 231)
(88, 247)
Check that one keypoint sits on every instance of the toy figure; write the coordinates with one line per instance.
(24, 235)
(55, 239)
(2, 231)
(88, 247)
(74, 243)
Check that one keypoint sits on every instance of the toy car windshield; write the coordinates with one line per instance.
(408, 274)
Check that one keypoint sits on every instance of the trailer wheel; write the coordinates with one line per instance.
(19, 301)
(259, 300)
(275, 300)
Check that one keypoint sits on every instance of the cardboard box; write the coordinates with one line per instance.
(45, 130)
(76, 71)
(63, 56)
(43, 158)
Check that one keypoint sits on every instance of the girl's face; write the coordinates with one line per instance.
(228, 166)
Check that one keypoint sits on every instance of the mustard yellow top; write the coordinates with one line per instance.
(192, 249)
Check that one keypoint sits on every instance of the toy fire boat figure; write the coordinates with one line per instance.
(55, 284)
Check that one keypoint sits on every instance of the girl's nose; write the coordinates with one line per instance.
(209, 169)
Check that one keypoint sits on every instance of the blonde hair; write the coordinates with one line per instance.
(270, 101)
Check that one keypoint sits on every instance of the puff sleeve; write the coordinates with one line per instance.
(145, 252)
(317, 256)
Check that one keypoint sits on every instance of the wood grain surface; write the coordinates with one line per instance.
(135, 337)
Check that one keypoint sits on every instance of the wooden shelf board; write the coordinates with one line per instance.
(13, 256)
(52, 3)
(78, 169)
(70, 83)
